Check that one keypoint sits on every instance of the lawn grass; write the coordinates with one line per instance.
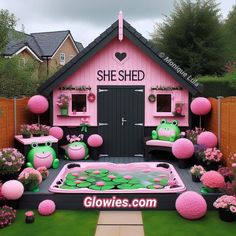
(61, 223)
(169, 223)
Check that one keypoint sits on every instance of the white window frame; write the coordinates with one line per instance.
(62, 58)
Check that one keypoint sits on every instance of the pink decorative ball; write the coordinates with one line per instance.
(38, 104)
(207, 139)
(213, 179)
(46, 207)
(200, 106)
(95, 140)
(182, 148)
(191, 205)
(12, 189)
(56, 132)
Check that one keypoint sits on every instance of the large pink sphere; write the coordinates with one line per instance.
(56, 132)
(182, 148)
(38, 104)
(213, 179)
(191, 205)
(207, 139)
(200, 106)
(12, 189)
(46, 207)
(95, 140)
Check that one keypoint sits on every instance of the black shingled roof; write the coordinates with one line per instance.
(43, 44)
(99, 43)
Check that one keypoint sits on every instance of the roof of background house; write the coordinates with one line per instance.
(43, 44)
(99, 43)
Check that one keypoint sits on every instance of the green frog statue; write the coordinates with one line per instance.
(166, 131)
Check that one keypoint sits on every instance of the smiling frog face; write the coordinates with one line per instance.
(77, 150)
(166, 131)
(40, 156)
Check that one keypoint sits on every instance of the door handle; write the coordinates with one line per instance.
(123, 120)
(102, 124)
(138, 124)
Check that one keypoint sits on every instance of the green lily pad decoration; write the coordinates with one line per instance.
(150, 186)
(70, 176)
(67, 187)
(70, 182)
(107, 179)
(91, 179)
(125, 186)
(163, 182)
(83, 184)
(105, 187)
(134, 181)
(120, 180)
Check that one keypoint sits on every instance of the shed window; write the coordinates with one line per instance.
(163, 102)
(62, 59)
(79, 103)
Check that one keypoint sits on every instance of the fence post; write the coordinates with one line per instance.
(14, 113)
(219, 120)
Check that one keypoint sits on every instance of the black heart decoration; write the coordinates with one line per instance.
(120, 55)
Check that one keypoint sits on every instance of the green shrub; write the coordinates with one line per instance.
(219, 86)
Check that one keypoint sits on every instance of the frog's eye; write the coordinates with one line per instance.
(163, 121)
(175, 122)
(48, 143)
(34, 145)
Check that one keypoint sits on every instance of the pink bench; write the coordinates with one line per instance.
(152, 145)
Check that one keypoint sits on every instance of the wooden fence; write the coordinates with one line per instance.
(222, 121)
(13, 113)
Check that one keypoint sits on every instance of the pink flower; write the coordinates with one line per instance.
(232, 209)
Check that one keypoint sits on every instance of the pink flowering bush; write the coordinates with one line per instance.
(11, 160)
(35, 129)
(30, 178)
(193, 134)
(63, 100)
(25, 129)
(7, 215)
(43, 171)
(45, 129)
(226, 202)
(197, 170)
(212, 155)
(213, 179)
(227, 173)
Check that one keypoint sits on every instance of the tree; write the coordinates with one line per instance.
(230, 36)
(192, 36)
(7, 25)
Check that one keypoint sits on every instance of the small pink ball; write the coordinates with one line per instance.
(128, 177)
(38, 104)
(200, 106)
(207, 139)
(191, 205)
(56, 132)
(12, 189)
(46, 207)
(182, 148)
(95, 140)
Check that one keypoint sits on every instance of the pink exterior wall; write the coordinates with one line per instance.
(135, 60)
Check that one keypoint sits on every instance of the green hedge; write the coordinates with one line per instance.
(219, 86)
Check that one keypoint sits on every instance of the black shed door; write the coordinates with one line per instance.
(121, 120)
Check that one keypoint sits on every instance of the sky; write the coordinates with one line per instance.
(87, 19)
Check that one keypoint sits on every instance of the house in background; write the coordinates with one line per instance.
(51, 50)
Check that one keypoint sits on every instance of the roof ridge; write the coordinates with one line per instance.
(48, 32)
(36, 42)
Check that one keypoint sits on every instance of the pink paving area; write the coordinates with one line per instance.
(147, 174)
(42, 139)
(159, 143)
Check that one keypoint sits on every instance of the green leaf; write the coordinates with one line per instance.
(120, 180)
(95, 187)
(83, 184)
(164, 182)
(70, 183)
(67, 187)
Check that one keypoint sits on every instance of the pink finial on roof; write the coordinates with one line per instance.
(120, 30)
